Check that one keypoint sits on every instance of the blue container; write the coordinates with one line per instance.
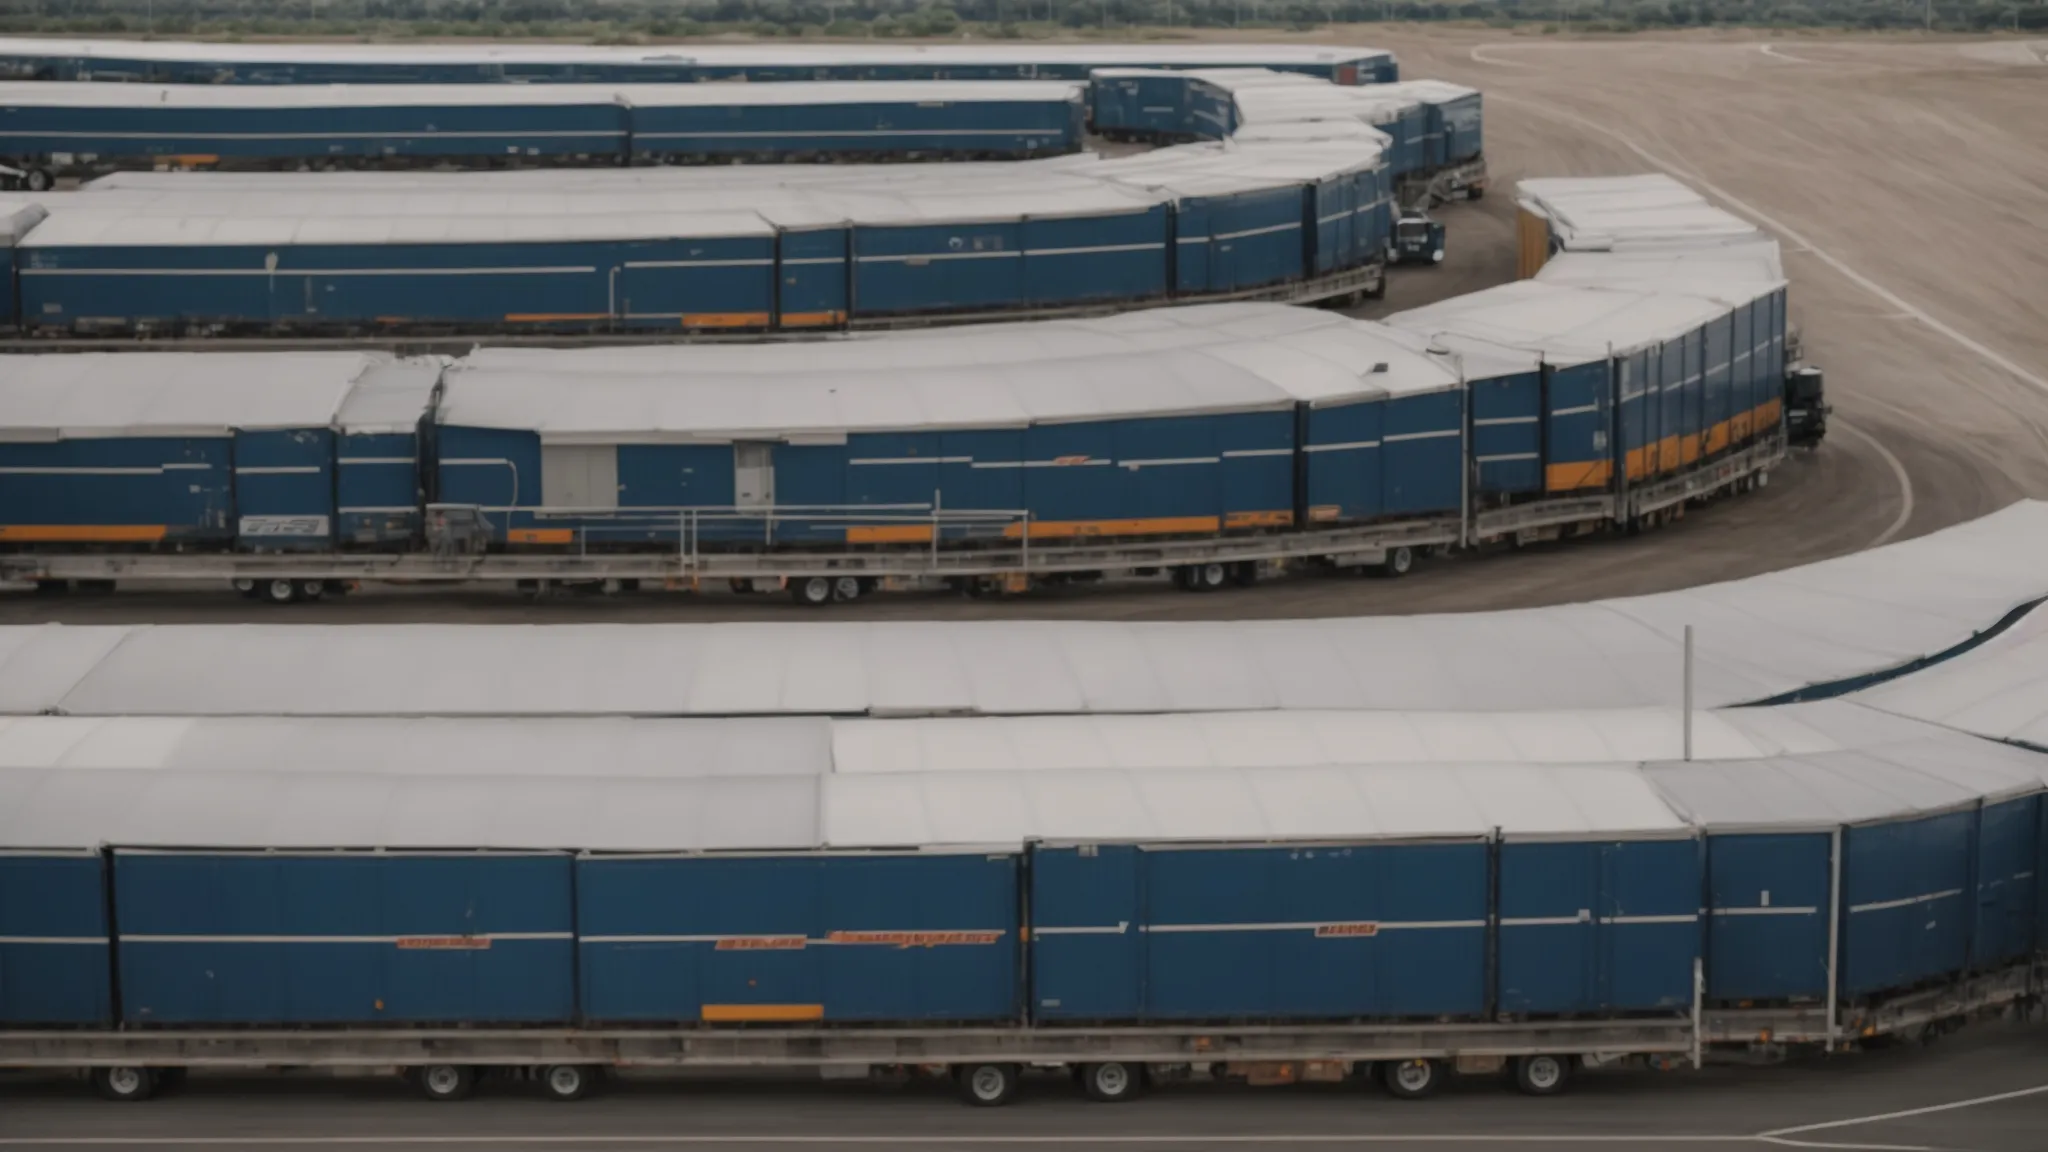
(1906, 891)
(377, 492)
(1591, 928)
(54, 958)
(1307, 932)
(836, 938)
(135, 491)
(1158, 104)
(1579, 405)
(812, 279)
(1236, 242)
(1767, 909)
(344, 938)
(1507, 433)
(284, 489)
(2008, 848)
(145, 127)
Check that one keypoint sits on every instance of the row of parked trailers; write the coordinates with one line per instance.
(1242, 419)
(752, 874)
(699, 249)
(66, 130)
(1330, 931)
(170, 62)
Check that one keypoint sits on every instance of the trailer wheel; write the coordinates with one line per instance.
(39, 180)
(445, 1081)
(812, 591)
(312, 589)
(124, 1084)
(1399, 562)
(280, 591)
(987, 1085)
(246, 587)
(1542, 1075)
(1411, 1079)
(848, 588)
(1206, 577)
(566, 1081)
(1112, 1082)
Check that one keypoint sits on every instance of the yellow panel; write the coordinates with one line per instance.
(553, 317)
(725, 320)
(812, 319)
(762, 1013)
(1571, 477)
(75, 533)
(540, 536)
(1258, 520)
(890, 534)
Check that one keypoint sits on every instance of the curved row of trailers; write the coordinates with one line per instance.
(695, 250)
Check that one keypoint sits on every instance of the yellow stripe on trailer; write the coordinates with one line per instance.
(83, 533)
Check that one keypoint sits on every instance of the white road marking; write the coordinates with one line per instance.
(1782, 1142)
(1478, 56)
(1968, 343)
(1898, 523)
(1771, 50)
(1880, 1117)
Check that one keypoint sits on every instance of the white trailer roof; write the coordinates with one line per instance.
(121, 394)
(1508, 328)
(686, 201)
(1757, 638)
(1616, 213)
(1215, 358)
(1998, 690)
(1427, 91)
(680, 785)
(1753, 267)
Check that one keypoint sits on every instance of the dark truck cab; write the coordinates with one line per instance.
(1806, 408)
(1417, 240)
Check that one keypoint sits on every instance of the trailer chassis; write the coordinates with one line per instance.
(1111, 1063)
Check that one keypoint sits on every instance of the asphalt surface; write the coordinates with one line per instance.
(1839, 1102)
(1906, 179)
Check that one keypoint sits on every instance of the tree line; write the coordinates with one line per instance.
(628, 21)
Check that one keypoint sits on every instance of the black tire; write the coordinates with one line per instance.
(280, 591)
(246, 587)
(38, 180)
(1542, 1075)
(566, 1082)
(848, 588)
(445, 1081)
(312, 589)
(811, 591)
(1411, 1079)
(1207, 577)
(1399, 562)
(1476, 192)
(124, 1085)
(986, 1085)
(1245, 573)
(1112, 1082)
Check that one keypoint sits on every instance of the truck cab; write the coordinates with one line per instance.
(1417, 240)
(1806, 407)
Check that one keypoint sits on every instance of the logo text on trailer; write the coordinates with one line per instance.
(445, 943)
(1353, 928)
